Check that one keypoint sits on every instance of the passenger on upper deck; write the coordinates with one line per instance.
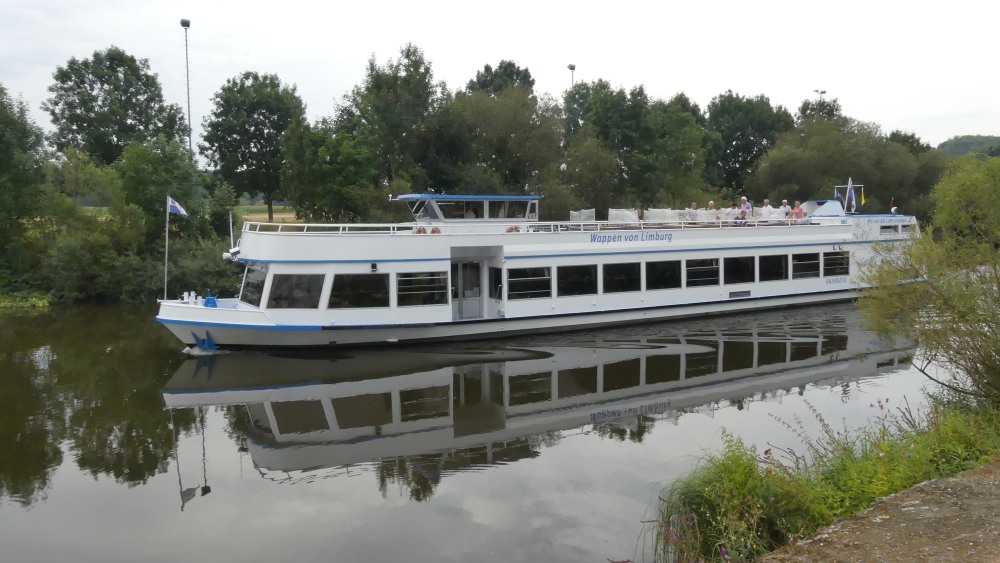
(693, 211)
(784, 209)
(732, 213)
(745, 205)
(797, 211)
(741, 219)
(766, 211)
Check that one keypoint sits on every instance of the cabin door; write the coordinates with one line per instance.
(466, 290)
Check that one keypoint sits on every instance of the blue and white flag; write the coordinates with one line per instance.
(174, 207)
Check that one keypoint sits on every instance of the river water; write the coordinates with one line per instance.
(117, 446)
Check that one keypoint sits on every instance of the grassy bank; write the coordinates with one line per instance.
(740, 503)
(25, 301)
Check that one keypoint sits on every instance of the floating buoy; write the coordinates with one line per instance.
(435, 231)
(513, 229)
(421, 231)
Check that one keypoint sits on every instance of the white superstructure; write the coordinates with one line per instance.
(484, 266)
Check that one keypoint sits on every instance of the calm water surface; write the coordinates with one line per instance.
(117, 446)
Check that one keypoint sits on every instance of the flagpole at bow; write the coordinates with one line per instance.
(172, 207)
(166, 249)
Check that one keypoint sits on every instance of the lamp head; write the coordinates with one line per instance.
(185, 23)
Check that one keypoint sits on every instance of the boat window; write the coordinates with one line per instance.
(253, 284)
(360, 411)
(422, 288)
(529, 283)
(517, 209)
(498, 209)
(622, 375)
(423, 210)
(836, 264)
(663, 368)
(576, 280)
(908, 228)
(530, 388)
(805, 266)
(774, 267)
(740, 270)
(621, 277)
(574, 382)
(889, 229)
(496, 283)
(295, 291)
(453, 209)
(663, 275)
(424, 403)
(299, 417)
(703, 271)
(359, 290)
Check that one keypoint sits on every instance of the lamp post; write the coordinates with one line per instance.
(820, 92)
(187, 71)
(572, 81)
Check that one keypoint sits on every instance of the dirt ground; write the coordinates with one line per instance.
(953, 519)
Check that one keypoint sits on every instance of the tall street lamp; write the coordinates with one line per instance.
(820, 92)
(187, 70)
(572, 81)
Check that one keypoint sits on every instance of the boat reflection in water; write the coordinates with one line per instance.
(457, 408)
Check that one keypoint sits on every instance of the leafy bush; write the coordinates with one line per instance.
(736, 504)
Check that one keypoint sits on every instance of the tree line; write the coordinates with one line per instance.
(82, 208)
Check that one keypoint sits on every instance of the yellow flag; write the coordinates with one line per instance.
(862, 195)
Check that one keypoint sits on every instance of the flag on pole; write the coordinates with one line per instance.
(852, 196)
(862, 196)
(174, 207)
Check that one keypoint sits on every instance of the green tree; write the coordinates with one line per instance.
(22, 176)
(152, 171)
(507, 74)
(820, 108)
(390, 112)
(748, 128)
(949, 310)
(100, 105)
(910, 141)
(593, 174)
(512, 138)
(328, 176)
(243, 133)
(965, 144)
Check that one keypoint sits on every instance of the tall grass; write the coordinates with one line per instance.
(739, 504)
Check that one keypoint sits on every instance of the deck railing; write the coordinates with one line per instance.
(506, 227)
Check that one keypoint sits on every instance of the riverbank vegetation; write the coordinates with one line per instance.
(741, 503)
(82, 207)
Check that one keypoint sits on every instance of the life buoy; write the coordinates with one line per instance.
(435, 231)
(513, 229)
(421, 231)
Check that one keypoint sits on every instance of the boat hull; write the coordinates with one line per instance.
(235, 336)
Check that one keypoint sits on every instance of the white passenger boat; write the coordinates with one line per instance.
(484, 266)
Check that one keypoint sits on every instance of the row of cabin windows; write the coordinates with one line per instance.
(303, 291)
(530, 283)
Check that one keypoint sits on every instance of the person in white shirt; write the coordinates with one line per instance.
(785, 209)
(766, 211)
(732, 213)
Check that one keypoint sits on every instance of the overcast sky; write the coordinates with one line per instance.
(926, 68)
